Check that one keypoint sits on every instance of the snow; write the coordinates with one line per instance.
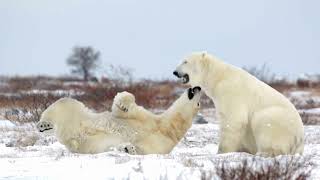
(92, 167)
(55, 162)
(304, 99)
(195, 154)
(315, 111)
(299, 93)
(6, 124)
(58, 93)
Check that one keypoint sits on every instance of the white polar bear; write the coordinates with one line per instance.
(128, 126)
(254, 117)
(83, 131)
(158, 133)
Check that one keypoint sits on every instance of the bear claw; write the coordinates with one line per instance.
(122, 107)
(130, 149)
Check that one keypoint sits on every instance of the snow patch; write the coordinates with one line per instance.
(195, 154)
(314, 111)
(299, 93)
(6, 124)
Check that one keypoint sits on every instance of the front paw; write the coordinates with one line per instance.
(130, 149)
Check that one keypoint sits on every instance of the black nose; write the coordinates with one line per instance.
(190, 93)
(176, 73)
(197, 88)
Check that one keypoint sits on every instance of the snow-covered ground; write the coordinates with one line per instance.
(27, 154)
(58, 93)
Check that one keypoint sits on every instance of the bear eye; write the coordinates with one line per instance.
(185, 62)
(198, 104)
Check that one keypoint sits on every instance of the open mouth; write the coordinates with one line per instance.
(42, 130)
(184, 77)
(193, 91)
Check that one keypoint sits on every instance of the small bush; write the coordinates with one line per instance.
(308, 81)
(28, 108)
(310, 119)
(285, 168)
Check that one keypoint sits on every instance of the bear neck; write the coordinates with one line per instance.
(216, 73)
(174, 119)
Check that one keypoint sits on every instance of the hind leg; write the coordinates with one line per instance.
(276, 132)
(128, 148)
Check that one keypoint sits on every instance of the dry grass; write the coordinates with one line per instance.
(31, 95)
(27, 108)
(285, 168)
(310, 119)
(25, 98)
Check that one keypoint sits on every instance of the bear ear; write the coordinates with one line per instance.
(204, 59)
(204, 54)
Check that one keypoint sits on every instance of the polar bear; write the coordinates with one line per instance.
(254, 117)
(124, 106)
(129, 127)
(158, 133)
(122, 102)
(83, 131)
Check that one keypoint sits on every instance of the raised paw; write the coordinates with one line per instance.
(122, 107)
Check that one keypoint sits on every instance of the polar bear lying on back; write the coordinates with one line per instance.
(83, 131)
(254, 117)
(158, 133)
(128, 126)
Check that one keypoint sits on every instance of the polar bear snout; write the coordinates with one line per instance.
(176, 74)
(182, 76)
(193, 91)
(196, 89)
(44, 126)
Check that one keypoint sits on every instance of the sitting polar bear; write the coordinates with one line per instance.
(128, 126)
(254, 117)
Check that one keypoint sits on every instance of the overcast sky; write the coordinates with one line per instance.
(152, 37)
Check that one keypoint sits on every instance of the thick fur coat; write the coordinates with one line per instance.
(254, 117)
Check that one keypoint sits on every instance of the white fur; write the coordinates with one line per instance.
(84, 131)
(157, 134)
(254, 117)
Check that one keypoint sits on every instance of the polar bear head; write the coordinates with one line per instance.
(63, 113)
(188, 104)
(193, 69)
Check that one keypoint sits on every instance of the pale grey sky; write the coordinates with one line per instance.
(36, 36)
